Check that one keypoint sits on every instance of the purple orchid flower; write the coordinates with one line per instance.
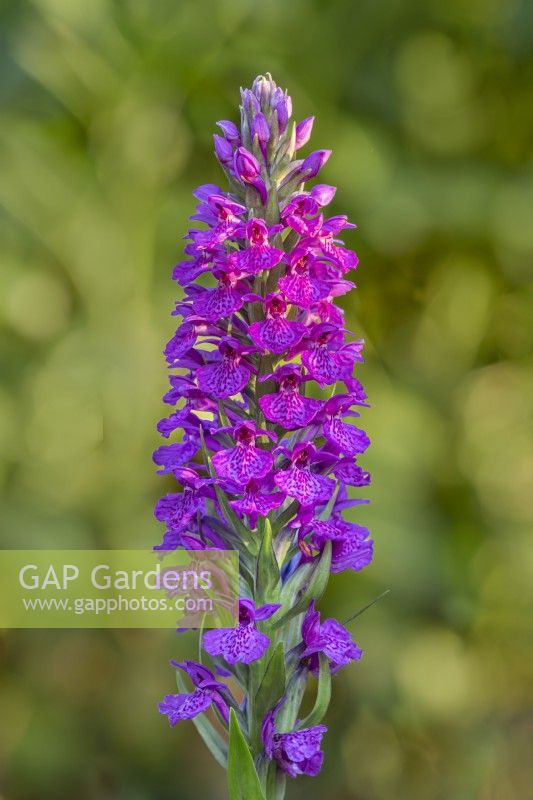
(245, 461)
(208, 690)
(225, 375)
(300, 482)
(224, 300)
(288, 407)
(296, 753)
(260, 255)
(342, 437)
(276, 333)
(230, 131)
(245, 643)
(327, 358)
(257, 499)
(351, 547)
(301, 285)
(330, 638)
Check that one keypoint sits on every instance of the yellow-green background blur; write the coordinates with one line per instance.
(109, 108)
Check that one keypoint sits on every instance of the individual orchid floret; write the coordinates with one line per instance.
(351, 547)
(330, 638)
(208, 690)
(245, 461)
(296, 753)
(276, 333)
(223, 300)
(223, 215)
(350, 473)
(257, 499)
(261, 133)
(223, 151)
(326, 356)
(343, 437)
(300, 482)
(170, 457)
(260, 255)
(323, 238)
(245, 643)
(176, 510)
(287, 407)
(301, 284)
(225, 375)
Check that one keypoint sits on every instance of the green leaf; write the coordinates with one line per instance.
(326, 513)
(323, 695)
(211, 737)
(314, 589)
(267, 574)
(243, 781)
(222, 415)
(271, 689)
(275, 782)
(285, 516)
(287, 715)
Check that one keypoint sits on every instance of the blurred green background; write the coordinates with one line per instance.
(108, 111)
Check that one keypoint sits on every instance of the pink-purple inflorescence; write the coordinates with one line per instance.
(262, 389)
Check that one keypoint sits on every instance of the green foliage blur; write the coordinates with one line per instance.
(108, 111)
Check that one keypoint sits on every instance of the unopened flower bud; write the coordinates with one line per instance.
(314, 163)
(260, 128)
(230, 131)
(323, 194)
(303, 131)
(248, 171)
(223, 150)
(246, 165)
(283, 106)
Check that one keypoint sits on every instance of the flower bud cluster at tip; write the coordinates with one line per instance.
(261, 155)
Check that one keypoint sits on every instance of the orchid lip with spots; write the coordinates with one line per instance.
(260, 443)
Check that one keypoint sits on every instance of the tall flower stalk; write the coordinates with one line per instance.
(262, 382)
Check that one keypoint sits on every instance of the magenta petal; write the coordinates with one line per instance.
(301, 290)
(337, 643)
(302, 744)
(256, 504)
(346, 438)
(181, 342)
(351, 473)
(289, 409)
(322, 366)
(179, 505)
(185, 706)
(242, 463)
(351, 552)
(256, 259)
(276, 335)
(305, 486)
(223, 379)
(243, 644)
(213, 304)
